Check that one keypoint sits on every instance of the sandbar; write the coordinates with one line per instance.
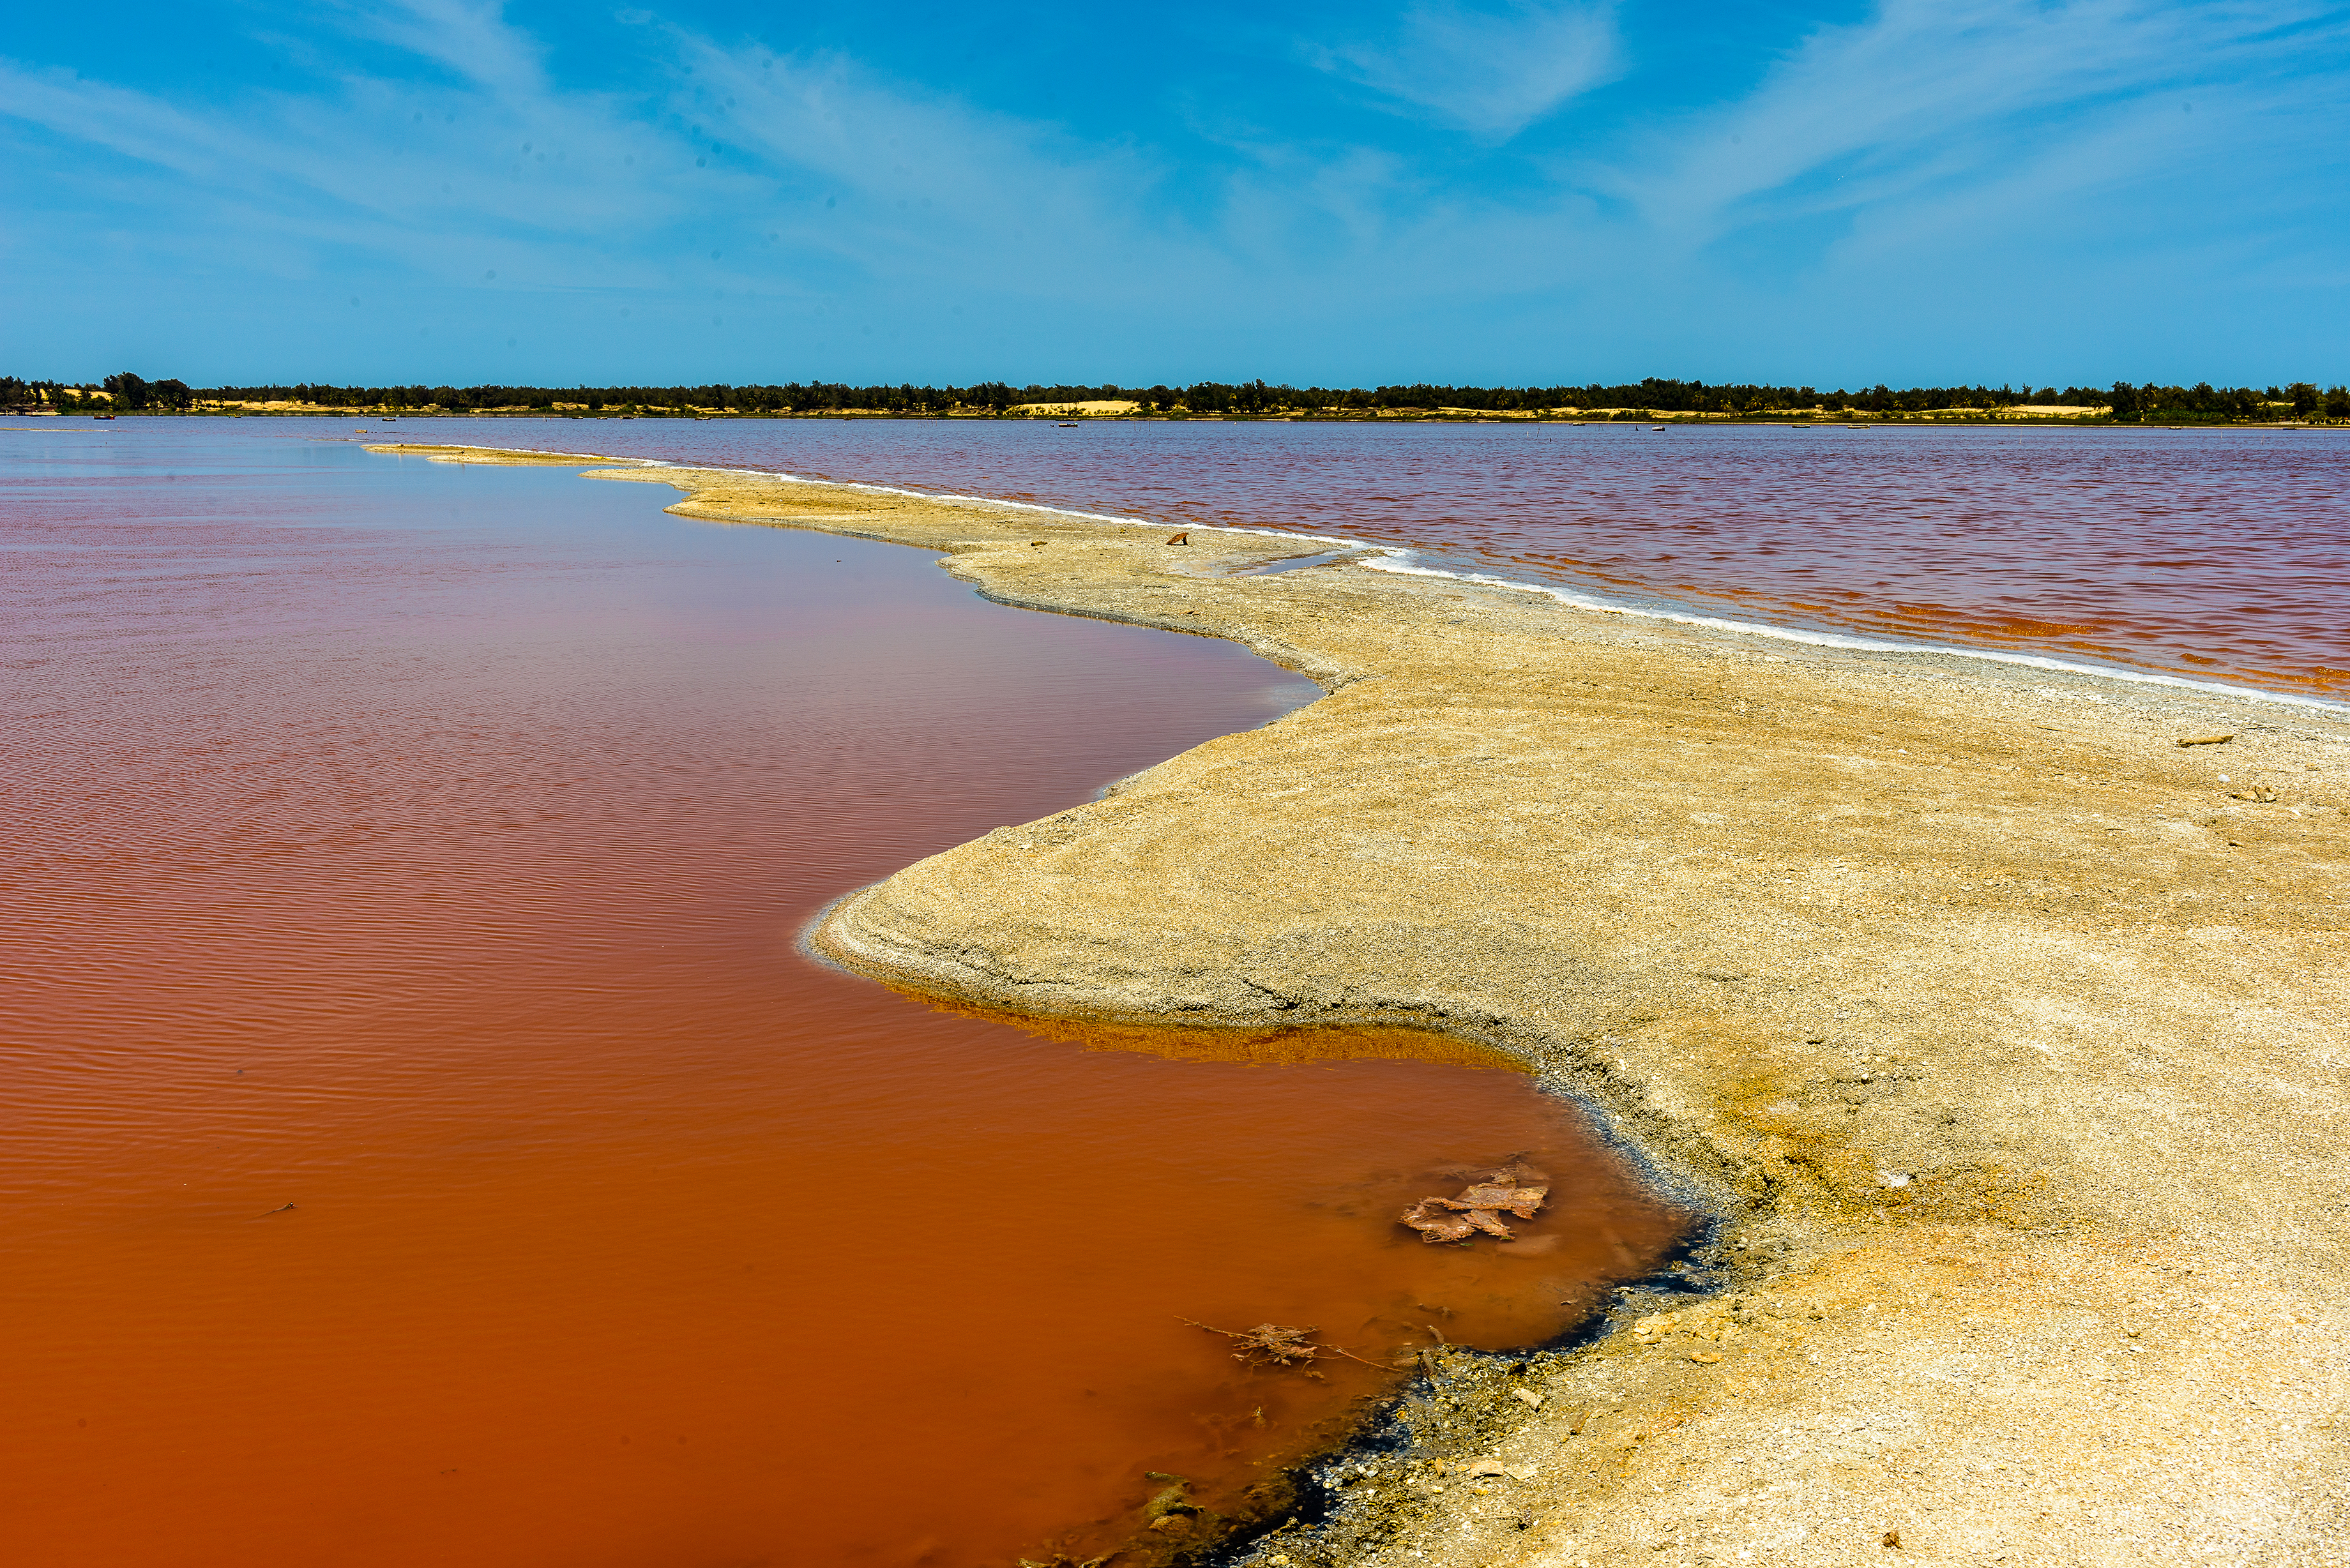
(2005, 1033)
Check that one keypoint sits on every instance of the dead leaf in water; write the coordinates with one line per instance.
(1435, 1222)
(1514, 1188)
(1521, 1201)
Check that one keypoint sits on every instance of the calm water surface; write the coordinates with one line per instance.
(2217, 555)
(423, 1142)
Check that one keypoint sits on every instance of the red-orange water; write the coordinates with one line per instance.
(2212, 554)
(424, 1144)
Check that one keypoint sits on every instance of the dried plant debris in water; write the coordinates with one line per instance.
(1267, 1343)
(1270, 1344)
(1515, 1189)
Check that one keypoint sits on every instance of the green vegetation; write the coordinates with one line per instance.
(2120, 404)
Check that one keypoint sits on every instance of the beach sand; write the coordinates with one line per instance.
(2005, 1034)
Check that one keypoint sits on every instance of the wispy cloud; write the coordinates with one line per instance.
(821, 185)
(929, 182)
(438, 176)
(1491, 70)
(470, 38)
(1925, 99)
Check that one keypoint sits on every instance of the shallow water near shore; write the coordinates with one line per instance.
(426, 1142)
(2210, 554)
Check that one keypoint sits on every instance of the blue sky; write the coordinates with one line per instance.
(1466, 190)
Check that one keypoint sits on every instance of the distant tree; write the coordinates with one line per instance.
(2337, 402)
(2201, 401)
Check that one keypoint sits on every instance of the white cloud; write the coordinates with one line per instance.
(1490, 70)
(1926, 101)
(1920, 142)
(436, 178)
(931, 182)
(470, 38)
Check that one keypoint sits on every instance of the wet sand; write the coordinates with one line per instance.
(2005, 1029)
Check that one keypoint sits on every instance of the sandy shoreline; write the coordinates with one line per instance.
(2007, 1033)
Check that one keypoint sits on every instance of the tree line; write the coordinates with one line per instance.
(2201, 403)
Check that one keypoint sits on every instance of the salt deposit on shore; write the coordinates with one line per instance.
(2006, 1032)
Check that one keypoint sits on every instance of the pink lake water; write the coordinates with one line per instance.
(423, 1141)
(2212, 554)
(424, 849)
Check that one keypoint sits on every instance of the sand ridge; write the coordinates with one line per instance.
(2005, 1034)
